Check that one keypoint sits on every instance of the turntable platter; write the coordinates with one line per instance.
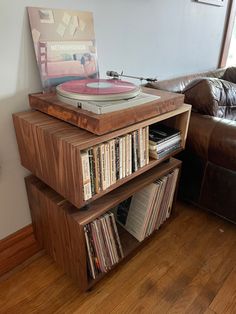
(98, 89)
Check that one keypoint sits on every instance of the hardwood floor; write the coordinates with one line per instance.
(189, 267)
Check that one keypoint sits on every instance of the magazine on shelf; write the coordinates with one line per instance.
(159, 133)
(163, 140)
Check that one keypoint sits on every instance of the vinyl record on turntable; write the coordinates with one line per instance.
(98, 90)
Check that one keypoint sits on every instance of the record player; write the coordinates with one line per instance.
(68, 66)
(103, 95)
(104, 105)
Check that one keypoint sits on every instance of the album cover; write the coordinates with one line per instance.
(64, 44)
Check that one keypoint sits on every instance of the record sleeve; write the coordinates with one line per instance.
(64, 44)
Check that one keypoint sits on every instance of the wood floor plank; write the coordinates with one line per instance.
(167, 291)
(217, 265)
(225, 301)
(188, 267)
(129, 272)
(213, 285)
(231, 307)
(116, 289)
(158, 292)
(27, 284)
(205, 247)
(209, 311)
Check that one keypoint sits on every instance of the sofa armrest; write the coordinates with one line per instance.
(213, 139)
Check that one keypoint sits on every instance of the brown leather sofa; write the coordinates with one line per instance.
(209, 160)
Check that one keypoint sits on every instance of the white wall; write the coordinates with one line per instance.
(141, 37)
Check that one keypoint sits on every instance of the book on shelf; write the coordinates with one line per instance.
(97, 169)
(163, 140)
(147, 144)
(148, 209)
(92, 170)
(104, 164)
(112, 151)
(103, 244)
(135, 164)
(86, 175)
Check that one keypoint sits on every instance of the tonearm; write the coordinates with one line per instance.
(116, 75)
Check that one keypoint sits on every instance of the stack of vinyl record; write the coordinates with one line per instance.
(103, 244)
(148, 209)
(163, 140)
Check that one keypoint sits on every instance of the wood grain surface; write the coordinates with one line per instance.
(58, 225)
(17, 248)
(105, 123)
(56, 230)
(188, 267)
(51, 148)
(110, 200)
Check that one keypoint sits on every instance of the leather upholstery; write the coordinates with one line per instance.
(212, 96)
(214, 141)
(218, 191)
(200, 131)
(209, 161)
(222, 145)
(230, 75)
(177, 85)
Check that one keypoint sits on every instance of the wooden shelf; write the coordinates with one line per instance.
(130, 247)
(152, 163)
(110, 200)
(51, 149)
(128, 242)
(106, 123)
(59, 225)
(81, 139)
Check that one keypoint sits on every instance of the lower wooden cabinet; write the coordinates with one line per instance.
(59, 225)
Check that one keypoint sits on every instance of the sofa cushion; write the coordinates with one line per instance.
(230, 75)
(178, 84)
(212, 96)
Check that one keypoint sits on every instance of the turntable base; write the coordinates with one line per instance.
(103, 123)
